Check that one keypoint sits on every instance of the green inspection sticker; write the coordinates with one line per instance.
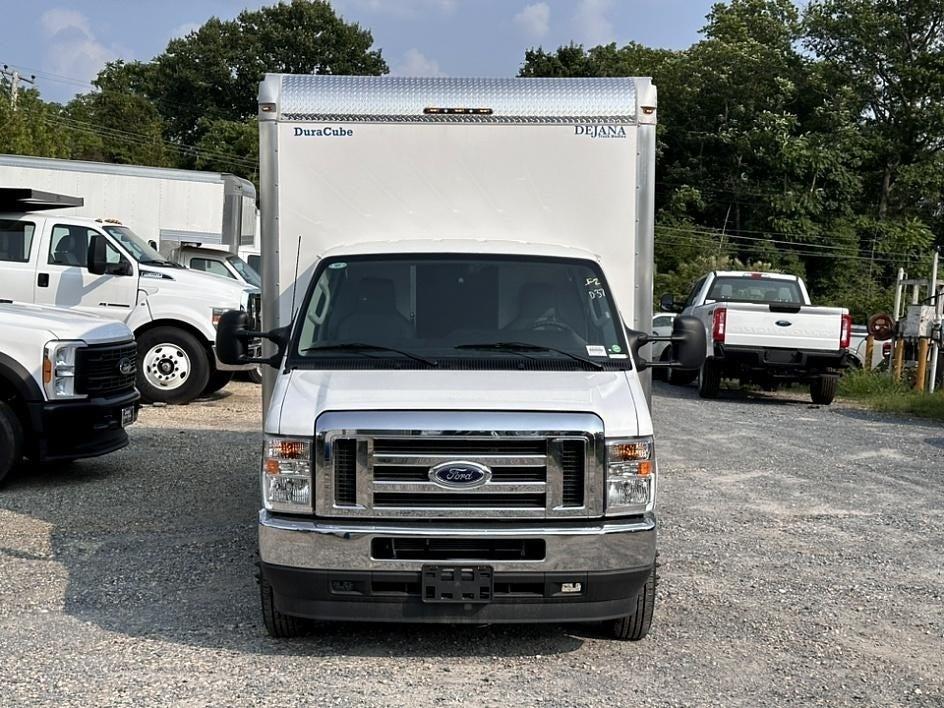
(337, 266)
(616, 349)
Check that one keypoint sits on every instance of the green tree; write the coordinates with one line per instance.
(33, 128)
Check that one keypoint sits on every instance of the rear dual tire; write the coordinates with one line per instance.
(709, 379)
(823, 389)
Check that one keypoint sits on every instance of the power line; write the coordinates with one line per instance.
(15, 78)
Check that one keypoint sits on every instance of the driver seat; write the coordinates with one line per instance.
(536, 302)
(375, 317)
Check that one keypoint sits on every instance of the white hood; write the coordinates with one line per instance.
(213, 290)
(615, 396)
(20, 320)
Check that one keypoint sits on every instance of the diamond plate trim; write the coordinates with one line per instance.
(386, 98)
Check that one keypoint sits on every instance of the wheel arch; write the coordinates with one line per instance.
(18, 388)
(178, 324)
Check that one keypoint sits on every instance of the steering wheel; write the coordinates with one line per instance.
(554, 325)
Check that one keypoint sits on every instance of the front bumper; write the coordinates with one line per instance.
(71, 430)
(328, 571)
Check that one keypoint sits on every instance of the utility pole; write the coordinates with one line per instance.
(14, 77)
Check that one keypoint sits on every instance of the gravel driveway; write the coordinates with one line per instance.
(801, 553)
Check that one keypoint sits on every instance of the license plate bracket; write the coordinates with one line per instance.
(457, 583)
(129, 414)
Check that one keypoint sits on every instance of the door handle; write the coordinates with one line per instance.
(42, 280)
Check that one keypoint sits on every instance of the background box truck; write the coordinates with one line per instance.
(455, 272)
(213, 211)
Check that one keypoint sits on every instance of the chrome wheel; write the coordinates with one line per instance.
(166, 366)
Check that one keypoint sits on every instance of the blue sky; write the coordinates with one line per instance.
(66, 42)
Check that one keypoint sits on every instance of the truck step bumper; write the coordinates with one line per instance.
(392, 596)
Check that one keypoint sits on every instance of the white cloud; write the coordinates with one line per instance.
(534, 19)
(397, 8)
(415, 63)
(71, 46)
(591, 24)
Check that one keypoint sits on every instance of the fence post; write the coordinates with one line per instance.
(869, 347)
(922, 363)
(899, 358)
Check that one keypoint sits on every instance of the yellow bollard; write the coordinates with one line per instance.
(899, 359)
(922, 363)
(869, 347)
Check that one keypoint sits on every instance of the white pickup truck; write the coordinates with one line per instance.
(66, 384)
(102, 267)
(762, 330)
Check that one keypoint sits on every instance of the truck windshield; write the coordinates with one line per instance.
(437, 308)
(760, 290)
(137, 247)
(245, 270)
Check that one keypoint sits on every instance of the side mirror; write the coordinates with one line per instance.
(667, 303)
(233, 339)
(97, 256)
(689, 345)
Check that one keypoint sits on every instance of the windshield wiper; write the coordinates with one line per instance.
(362, 347)
(519, 347)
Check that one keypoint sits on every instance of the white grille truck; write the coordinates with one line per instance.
(66, 383)
(455, 276)
(207, 217)
(102, 267)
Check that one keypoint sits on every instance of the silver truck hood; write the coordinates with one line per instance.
(615, 396)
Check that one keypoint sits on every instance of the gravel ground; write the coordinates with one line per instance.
(801, 553)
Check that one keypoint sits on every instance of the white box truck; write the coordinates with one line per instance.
(105, 268)
(214, 212)
(455, 273)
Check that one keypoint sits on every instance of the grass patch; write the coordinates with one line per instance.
(878, 391)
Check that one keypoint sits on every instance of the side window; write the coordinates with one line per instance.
(255, 262)
(16, 240)
(69, 245)
(208, 265)
(695, 290)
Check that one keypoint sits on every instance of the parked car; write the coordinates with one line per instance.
(66, 384)
(880, 350)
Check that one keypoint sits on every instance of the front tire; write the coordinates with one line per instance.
(278, 625)
(823, 389)
(11, 440)
(636, 624)
(709, 379)
(174, 366)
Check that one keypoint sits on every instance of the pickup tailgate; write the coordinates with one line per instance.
(783, 327)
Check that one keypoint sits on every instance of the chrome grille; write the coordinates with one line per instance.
(377, 464)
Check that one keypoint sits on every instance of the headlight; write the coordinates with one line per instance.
(286, 475)
(630, 476)
(217, 313)
(59, 370)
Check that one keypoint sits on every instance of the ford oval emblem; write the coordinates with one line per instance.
(783, 323)
(126, 366)
(460, 474)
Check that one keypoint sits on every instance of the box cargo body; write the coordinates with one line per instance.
(167, 206)
(451, 479)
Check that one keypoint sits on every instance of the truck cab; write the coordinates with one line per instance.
(457, 424)
(215, 261)
(66, 384)
(102, 267)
